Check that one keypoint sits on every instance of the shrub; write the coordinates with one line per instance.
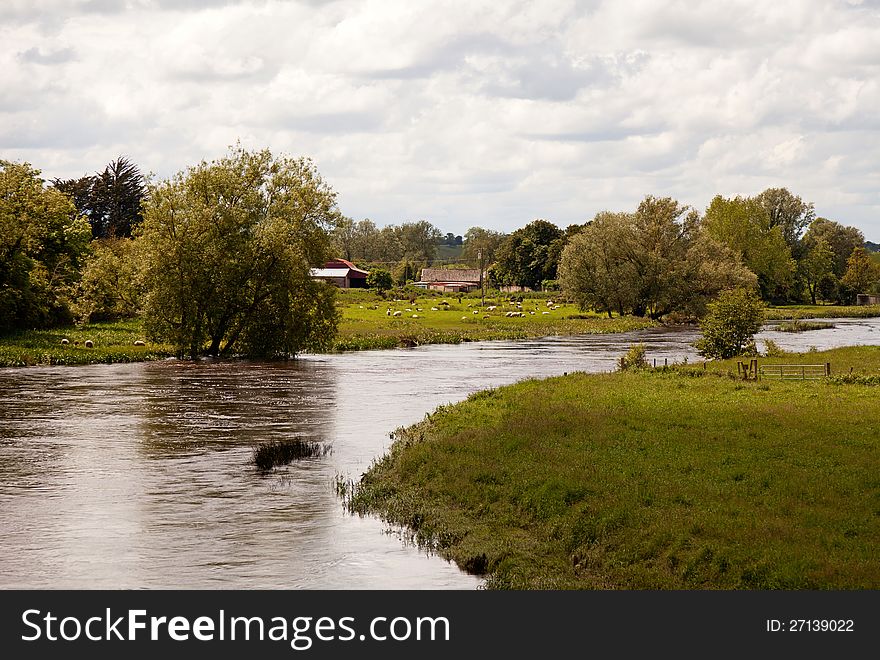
(380, 279)
(772, 349)
(635, 358)
(730, 324)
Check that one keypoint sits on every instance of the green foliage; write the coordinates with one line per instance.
(788, 212)
(731, 322)
(480, 246)
(380, 279)
(772, 349)
(635, 358)
(653, 262)
(817, 266)
(227, 249)
(841, 239)
(42, 244)
(110, 287)
(529, 255)
(862, 274)
(110, 200)
(744, 225)
(797, 325)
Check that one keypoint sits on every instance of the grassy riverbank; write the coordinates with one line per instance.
(787, 312)
(373, 324)
(368, 322)
(678, 479)
(112, 342)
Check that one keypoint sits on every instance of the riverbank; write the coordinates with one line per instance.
(369, 322)
(795, 312)
(668, 479)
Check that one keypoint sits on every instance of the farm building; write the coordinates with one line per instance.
(456, 280)
(865, 299)
(341, 273)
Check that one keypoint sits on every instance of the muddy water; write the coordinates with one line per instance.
(130, 476)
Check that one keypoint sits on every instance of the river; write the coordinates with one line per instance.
(138, 475)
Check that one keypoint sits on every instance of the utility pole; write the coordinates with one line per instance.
(482, 282)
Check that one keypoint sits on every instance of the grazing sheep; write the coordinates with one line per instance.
(65, 342)
(486, 316)
(476, 311)
(549, 303)
(408, 309)
(89, 343)
(418, 309)
(545, 312)
(532, 313)
(139, 343)
(491, 308)
(415, 316)
(435, 309)
(464, 318)
(397, 313)
(388, 313)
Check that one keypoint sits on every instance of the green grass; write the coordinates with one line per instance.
(370, 324)
(113, 342)
(650, 480)
(821, 311)
(796, 325)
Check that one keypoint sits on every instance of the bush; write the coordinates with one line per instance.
(635, 358)
(730, 324)
(772, 349)
(380, 279)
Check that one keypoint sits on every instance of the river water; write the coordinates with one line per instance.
(138, 475)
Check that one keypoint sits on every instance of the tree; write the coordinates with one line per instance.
(649, 263)
(110, 200)
(744, 225)
(418, 240)
(380, 279)
(42, 244)
(110, 286)
(861, 274)
(594, 268)
(227, 250)
(789, 212)
(524, 258)
(479, 241)
(730, 324)
(841, 239)
(817, 266)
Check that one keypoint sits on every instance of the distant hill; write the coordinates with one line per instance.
(872, 247)
(451, 252)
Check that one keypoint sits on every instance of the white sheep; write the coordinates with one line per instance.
(434, 309)
(65, 342)
(397, 313)
(476, 311)
(139, 343)
(89, 343)
(415, 316)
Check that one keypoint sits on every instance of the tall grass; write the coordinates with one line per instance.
(645, 480)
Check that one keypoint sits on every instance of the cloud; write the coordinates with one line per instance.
(462, 112)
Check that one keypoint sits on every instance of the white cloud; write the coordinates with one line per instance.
(463, 112)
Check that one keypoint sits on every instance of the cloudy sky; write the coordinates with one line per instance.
(463, 112)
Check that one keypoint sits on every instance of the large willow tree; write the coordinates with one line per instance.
(227, 248)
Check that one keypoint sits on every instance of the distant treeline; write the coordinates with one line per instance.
(217, 257)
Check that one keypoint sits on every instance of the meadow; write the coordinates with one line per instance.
(680, 478)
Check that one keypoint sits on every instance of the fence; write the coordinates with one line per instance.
(751, 371)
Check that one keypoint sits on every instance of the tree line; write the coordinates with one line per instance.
(216, 258)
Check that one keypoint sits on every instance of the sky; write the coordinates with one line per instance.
(463, 113)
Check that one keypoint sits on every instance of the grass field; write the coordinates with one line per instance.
(821, 311)
(666, 479)
(373, 324)
(113, 342)
(368, 322)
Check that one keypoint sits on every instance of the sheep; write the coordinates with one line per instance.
(545, 312)
(89, 343)
(476, 311)
(388, 312)
(139, 343)
(397, 313)
(491, 308)
(65, 342)
(435, 309)
(415, 316)
(464, 318)
(486, 316)
(408, 309)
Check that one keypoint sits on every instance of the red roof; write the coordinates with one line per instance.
(356, 272)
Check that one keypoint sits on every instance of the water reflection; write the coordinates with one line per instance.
(138, 475)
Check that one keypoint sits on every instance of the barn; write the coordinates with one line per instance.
(341, 273)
